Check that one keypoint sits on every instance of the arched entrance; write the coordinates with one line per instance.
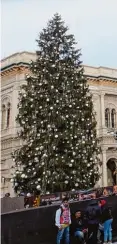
(111, 170)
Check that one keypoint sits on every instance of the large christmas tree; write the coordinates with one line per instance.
(58, 127)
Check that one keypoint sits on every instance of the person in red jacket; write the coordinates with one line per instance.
(63, 221)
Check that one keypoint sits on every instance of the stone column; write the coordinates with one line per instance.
(110, 126)
(14, 108)
(104, 167)
(102, 111)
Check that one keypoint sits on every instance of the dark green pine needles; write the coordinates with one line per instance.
(58, 129)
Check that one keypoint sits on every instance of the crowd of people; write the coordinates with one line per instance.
(92, 226)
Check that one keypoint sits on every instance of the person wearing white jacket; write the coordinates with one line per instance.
(63, 221)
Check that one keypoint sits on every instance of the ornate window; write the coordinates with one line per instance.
(107, 117)
(8, 115)
(3, 121)
(113, 118)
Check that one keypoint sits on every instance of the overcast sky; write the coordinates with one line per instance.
(93, 22)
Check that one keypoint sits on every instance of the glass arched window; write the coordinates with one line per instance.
(107, 118)
(3, 117)
(113, 118)
(8, 114)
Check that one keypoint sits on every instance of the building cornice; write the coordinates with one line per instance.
(19, 62)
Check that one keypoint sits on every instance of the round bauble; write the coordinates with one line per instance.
(41, 148)
(28, 194)
(74, 153)
(38, 187)
(16, 184)
(23, 176)
(66, 181)
(56, 136)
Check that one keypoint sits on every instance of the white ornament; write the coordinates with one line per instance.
(12, 180)
(44, 155)
(56, 136)
(74, 171)
(39, 179)
(70, 165)
(76, 184)
(74, 153)
(16, 184)
(23, 176)
(38, 187)
(66, 181)
(41, 148)
(28, 195)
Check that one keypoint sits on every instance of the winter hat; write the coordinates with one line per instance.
(103, 202)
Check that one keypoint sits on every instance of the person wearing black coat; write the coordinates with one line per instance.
(93, 214)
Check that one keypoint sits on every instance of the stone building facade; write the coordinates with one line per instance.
(103, 85)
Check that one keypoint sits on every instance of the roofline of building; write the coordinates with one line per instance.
(18, 53)
(27, 64)
(10, 62)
